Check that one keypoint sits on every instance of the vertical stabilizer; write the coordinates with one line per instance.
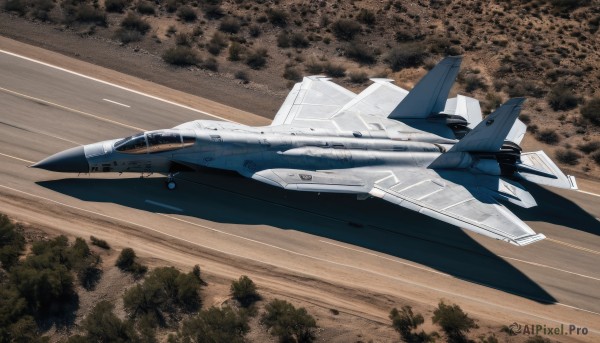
(430, 94)
(490, 134)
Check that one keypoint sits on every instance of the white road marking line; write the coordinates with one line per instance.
(16, 158)
(114, 85)
(574, 246)
(590, 193)
(549, 267)
(117, 103)
(164, 205)
(386, 258)
(399, 279)
(72, 109)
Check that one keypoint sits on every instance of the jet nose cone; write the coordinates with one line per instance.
(69, 161)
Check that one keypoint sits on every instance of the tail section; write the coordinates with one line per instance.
(490, 134)
(430, 94)
(537, 167)
(491, 148)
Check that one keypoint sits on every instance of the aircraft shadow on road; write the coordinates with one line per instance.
(555, 209)
(372, 223)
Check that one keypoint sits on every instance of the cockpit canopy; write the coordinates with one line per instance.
(155, 141)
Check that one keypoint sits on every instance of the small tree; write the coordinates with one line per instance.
(102, 325)
(244, 291)
(453, 321)
(288, 323)
(405, 322)
(127, 263)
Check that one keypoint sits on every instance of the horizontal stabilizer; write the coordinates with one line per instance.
(537, 167)
(431, 92)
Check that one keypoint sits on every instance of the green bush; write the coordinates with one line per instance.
(230, 25)
(537, 339)
(454, 322)
(180, 56)
(360, 53)
(405, 322)
(133, 22)
(145, 7)
(596, 157)
(235, 51)
(183, 39)
(127, 263)
(567, 156)
(115, 5)
(254, 30)
(589, 147)
(346, 29)
(591, 111)
(164, 290)
(242, 76)
(89, 14)
(217, 43)
(99, 243)
(561, 98)
(334, 69)
(277, 17)
(128, 36)
(298, 40)
(366, 17)
(406, 56)
(212, 11)
(18, 6)
(40, 9)
(12, 242)
(44, 278)
(548, 136)
(291, 73)
(244, 291)
(283, 320)
(102, 325)
(186, 13)
(216, 325)
(474, 82)
(257, 59)
(358, 76)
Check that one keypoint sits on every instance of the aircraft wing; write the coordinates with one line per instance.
(378, 99)
(463, 199)
(314, 99)
(459, 198)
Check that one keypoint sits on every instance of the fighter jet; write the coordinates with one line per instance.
(418, 150)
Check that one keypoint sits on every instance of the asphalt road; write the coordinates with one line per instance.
(368, 244)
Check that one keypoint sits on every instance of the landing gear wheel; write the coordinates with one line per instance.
(171, 185)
